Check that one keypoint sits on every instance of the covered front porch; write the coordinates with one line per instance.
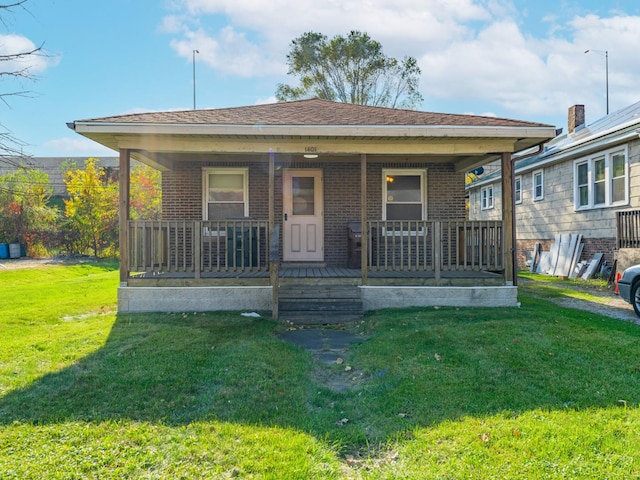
(200, 266)
(247, 251)
(257, 199)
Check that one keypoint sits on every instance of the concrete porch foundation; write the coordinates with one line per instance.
(192, 299)
(375, 298)
(234, 298)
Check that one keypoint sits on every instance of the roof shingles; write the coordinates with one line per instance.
(313, 112)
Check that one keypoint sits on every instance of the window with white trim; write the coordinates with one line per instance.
(517, 193)
(538, 185)
(225, 193)
(486, 198)
(601, 180)
(404, 194)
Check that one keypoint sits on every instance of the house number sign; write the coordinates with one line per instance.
(310, 149)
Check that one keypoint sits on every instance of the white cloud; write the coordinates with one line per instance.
(230, 53)
(16, 44)
(473, 51)
(265, 101)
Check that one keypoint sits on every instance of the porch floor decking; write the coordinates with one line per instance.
(330, 274)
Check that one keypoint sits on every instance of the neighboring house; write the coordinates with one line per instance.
(259, 198)
(580, 182)
(54, 167)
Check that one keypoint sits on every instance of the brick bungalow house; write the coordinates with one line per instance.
(258, 200)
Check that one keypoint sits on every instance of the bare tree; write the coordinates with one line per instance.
(14, 65)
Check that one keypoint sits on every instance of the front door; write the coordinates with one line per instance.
(303, 215)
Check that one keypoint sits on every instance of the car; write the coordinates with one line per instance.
(629, 287)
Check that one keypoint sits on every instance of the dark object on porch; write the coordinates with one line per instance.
(354, 230)
(242, 246)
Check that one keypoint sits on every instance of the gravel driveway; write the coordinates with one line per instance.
(608, 303)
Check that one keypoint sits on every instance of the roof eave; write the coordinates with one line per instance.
(434, 131)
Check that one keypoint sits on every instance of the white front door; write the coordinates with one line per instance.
(303, 215)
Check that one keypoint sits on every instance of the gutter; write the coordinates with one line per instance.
(562, 155)
(407, 131)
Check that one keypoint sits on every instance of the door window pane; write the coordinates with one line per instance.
(303, 193)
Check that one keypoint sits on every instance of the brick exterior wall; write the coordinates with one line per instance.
(182, 194)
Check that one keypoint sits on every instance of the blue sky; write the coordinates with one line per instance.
(520, 59)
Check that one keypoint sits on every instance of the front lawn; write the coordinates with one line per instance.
(534, 392)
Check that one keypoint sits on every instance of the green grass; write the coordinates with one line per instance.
(534, 392)
(555, 287)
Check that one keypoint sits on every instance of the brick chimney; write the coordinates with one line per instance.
(576, 117)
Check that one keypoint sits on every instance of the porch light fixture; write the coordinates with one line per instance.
(310, 155)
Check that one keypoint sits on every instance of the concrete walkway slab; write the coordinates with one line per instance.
(327, 345)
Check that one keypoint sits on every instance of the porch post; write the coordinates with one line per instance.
(123, 205)
(274, 263)
(364, 239)
(508, 220)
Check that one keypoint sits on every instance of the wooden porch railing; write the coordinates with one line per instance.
(628, 229)
(435, 245)
(198, 246)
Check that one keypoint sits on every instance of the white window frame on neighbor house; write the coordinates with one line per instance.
(595, 179)
(537, 181)
(517, 191)
(206, 176)
(486, 197)
(406, 172)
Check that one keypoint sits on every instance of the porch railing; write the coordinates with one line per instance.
(198, 246)
(628, 229)
(435, 245)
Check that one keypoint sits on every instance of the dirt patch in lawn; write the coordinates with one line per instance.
(26, 262)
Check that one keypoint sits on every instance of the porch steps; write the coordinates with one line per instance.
(320, 304)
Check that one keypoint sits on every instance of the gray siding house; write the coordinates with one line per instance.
(586, 182)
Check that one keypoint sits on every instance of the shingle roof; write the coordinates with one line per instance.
(312, 112)
(599, 135)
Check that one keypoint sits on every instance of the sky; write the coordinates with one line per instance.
(520, 59)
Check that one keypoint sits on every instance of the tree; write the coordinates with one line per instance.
(91, 210)
(350, 70)
(14, 65)
(25, 215)
(146, 193)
